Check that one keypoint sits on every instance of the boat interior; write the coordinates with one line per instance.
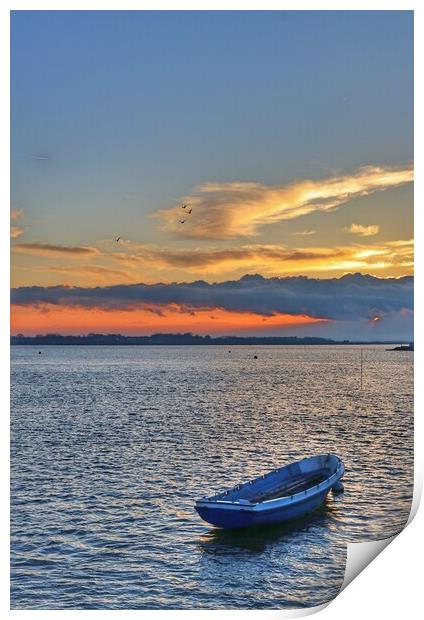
(284, 482)
(292, 486)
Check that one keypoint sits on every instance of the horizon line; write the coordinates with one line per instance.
(187, 335)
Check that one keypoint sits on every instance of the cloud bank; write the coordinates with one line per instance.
(229, 210)
(351, 297)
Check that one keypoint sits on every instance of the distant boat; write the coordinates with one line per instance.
(403, 347)
(281, 495)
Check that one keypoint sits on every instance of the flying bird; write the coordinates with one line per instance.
(182, 221)
(184, 207)
(117, 239)
(189, 212)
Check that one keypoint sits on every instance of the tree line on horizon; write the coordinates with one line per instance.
(166, 339)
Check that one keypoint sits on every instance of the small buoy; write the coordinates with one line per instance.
(255, 357)
(338, 487)
(39, 352)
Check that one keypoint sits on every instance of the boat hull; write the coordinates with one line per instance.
(248, 518)
(239, 512)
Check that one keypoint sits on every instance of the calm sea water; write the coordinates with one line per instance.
(112, 445)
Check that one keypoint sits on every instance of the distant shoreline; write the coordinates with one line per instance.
(183, 339)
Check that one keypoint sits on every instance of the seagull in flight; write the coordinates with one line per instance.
(184, 207)
(189, 211)
(182, 221)
(117, 239)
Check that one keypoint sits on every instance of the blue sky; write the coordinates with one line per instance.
(136, 108)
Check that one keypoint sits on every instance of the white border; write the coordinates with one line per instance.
(392, 585)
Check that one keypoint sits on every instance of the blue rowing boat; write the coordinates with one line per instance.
(283, 494)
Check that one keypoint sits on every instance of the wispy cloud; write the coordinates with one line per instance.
(16, 231)
(244, 255)
(46, 249)
(229, 210)
(364, 231)
(305, 233)
(269, 259)
(91, 269)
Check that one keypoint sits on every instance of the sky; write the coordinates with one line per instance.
(288, 135)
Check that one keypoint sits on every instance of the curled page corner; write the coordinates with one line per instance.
(416, 498)
(359, 555)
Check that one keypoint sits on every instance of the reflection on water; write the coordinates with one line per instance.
(257, 539)
(112, 445)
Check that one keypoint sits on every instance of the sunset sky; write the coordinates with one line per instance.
(288, 134)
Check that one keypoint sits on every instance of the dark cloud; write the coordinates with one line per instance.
(351, 297)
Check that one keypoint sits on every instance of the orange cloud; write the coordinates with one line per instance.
(16, 231)
(150, 319)
(148, 263)
(229, 210)
(271, 259)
